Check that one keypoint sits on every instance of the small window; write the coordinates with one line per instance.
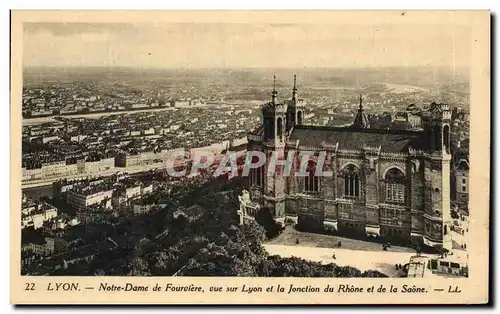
(395, 193)
(434, 264)
(436, 190)
(464, 181)
(464, 189)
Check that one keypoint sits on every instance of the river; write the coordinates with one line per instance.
(35, 121)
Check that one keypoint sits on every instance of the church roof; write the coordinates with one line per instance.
(391, 141)
(361, 120)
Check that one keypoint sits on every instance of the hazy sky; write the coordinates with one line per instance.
(244, 45)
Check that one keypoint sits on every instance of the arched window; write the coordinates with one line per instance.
(446, 137)
(290, 120)
(311, 181)
(395, 186)
(299, 118)
(279, 127)
(430, 138)
(351, 182)
(437, 137)
(268, 128)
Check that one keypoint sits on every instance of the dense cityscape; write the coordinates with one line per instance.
(97, 199)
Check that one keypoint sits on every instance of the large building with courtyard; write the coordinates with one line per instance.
(392, 184)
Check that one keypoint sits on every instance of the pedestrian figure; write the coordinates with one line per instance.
(339, 244)
(297, 241)
(333, 256)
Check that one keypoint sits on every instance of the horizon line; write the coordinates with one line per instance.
(242, 67)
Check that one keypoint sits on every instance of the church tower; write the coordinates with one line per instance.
(361, 121)
(295, 112)
(274, 116)
(437, 161)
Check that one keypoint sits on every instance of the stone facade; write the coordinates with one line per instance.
(386, 183)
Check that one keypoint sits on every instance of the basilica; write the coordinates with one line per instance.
(391, 184)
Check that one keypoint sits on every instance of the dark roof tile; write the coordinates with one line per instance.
(391, 141)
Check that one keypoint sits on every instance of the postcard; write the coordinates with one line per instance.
(250, 157)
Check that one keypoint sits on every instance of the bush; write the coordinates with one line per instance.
(373, 274)
(264, 218)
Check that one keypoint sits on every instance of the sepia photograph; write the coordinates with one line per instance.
(239, 147)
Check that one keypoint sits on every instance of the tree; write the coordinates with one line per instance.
(265, 219)
(213, 245)
(161, 262)
(137, 267)
(373, 274)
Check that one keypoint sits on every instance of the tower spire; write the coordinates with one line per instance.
(361, 120)
(294, 91)
(274, 93)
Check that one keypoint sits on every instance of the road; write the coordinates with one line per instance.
(137, 169)
(290, 235)
(130, 170)
(362, 255)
